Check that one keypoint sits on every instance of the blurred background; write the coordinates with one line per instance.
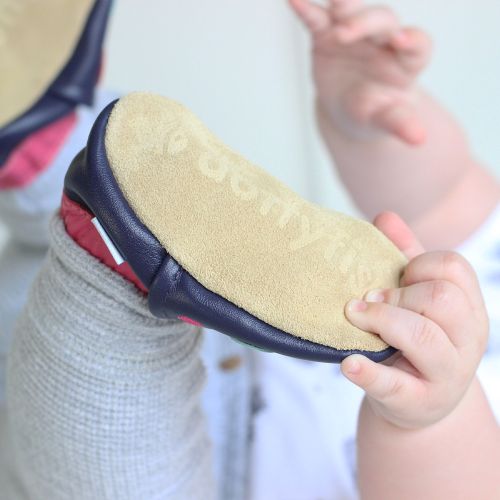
(244, 68)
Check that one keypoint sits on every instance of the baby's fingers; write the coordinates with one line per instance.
(343, 8)
(315, 17)
(413, 48)
(372, 22)
(441, 301)
(421, 341)
(396, 229)
(386, 384)
(402, 121)
(449, 266)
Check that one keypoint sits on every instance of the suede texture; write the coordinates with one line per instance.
(240, 232)
(36, 40)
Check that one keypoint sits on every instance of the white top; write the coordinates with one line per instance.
(304, 434)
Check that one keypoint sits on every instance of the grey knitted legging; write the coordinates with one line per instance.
(103, 398)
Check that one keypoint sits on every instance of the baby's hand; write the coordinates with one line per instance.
(438, 321)
(365, 66)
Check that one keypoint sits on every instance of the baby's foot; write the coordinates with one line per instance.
(215, 240)
(50, 73)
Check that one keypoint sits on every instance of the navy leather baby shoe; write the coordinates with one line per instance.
(72, 85)
(216, 241)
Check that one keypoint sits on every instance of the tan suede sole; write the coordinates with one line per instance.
(37, 38)
(240, 232)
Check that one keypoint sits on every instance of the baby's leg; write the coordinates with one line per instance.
(53, 55)
(103, 398)
(26, 210)
(18, 266)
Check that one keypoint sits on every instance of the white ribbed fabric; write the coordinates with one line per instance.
(18, 266)
(103, 398)
(26, 212)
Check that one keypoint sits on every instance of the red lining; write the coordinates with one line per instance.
(78, 223)
(35, 154)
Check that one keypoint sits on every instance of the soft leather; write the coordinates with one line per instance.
(172, 291)
(73, 86)
(90, 182)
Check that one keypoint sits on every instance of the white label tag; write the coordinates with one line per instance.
(107, 240)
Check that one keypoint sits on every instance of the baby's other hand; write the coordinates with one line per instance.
(365, 67)
(437, 320)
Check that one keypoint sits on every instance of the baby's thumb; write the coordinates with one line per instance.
(399, 233)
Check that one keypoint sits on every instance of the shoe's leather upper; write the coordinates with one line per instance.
(172, 291)
(73, 86)
(90, 182)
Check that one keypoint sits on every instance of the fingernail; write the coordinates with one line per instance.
(356, 305)
(376, 295)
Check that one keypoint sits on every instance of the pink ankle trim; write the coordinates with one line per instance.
(189, 320)
(35, 153)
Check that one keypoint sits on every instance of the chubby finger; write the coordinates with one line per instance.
(421, 341)
(448, 266)
(441, 301)
(402, 121)
(413, 48)
(315, 17)
(394, 227)
(372, 22)
(341, 9)
(386, 109)
(383, 383)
